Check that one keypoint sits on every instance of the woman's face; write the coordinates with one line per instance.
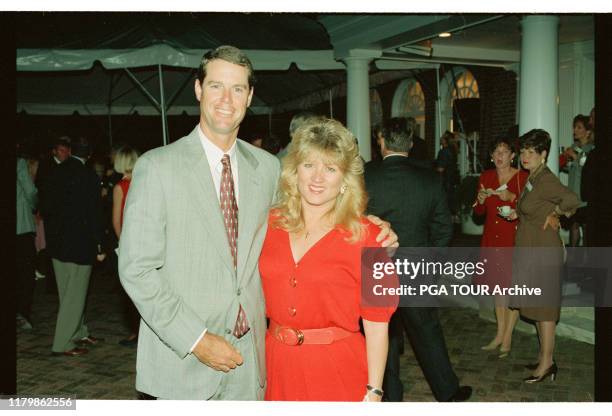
(531, 159)
(319, 181)
(580, 132)
(502, 156)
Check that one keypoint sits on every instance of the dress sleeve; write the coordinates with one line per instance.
(375, 308)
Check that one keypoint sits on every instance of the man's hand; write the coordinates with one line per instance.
(552, 220)
(387, 237)
(217, 353)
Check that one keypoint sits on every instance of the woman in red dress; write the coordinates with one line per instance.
(311, 275)
(125, 159)
(498, 188)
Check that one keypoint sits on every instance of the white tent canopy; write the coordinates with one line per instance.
(100, 82)
(52, 60)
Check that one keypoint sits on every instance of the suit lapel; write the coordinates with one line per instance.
(248, 185)
(207, 198)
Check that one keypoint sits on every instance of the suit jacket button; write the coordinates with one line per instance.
(228, 331)
(293, 281)
(239, 292)
(292, 311)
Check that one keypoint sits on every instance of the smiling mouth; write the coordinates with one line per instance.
(225, 113)
(316, 189)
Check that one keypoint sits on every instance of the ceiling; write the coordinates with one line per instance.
(296, 56)
(505, 33)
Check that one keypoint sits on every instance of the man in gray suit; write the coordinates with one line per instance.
(180, 260)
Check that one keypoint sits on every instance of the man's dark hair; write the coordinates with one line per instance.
(230, 54)
(271, 144)
(81, 147)
(62, 141)
(397, 134)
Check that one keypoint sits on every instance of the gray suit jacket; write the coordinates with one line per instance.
(176, 265)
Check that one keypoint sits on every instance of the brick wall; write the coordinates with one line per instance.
(497, 89)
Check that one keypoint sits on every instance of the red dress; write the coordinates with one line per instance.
(497, 231)
(326, 292)
(125, 186)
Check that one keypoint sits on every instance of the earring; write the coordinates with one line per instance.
(343, 189)
(491, 159)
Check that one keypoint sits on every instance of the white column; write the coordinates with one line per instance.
(539, 80)
(358, 102)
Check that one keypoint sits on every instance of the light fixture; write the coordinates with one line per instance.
(444, 35)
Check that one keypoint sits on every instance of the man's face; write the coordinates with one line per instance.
(224, 96)
(61, 152)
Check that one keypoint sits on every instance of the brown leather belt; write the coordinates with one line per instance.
(294, 336)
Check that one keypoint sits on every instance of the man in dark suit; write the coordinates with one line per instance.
(59, 153)
(73, 214)
(413, 200)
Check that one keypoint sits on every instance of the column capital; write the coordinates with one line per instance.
(539, 19)
(357, 54)
(515, 67)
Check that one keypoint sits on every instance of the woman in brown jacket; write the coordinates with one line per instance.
(543, 200)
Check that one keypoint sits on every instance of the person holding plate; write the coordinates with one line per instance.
(499, 189)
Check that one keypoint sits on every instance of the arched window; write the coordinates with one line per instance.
(409, 101)
(465, 86)
(458, 84)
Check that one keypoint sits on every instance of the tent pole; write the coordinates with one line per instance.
(162, 104)
(110, 104)
(438, 130)
(269, 123)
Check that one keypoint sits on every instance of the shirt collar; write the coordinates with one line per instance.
(394, 154)
(79, 159)
(213, 153)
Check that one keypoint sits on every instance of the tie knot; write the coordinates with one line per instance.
(225, 160)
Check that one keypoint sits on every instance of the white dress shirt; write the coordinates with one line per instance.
(214, 156)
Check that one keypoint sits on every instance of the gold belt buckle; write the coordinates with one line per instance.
(289, 336)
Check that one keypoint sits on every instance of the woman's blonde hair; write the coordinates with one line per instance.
(337, 146)
(125, 159)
